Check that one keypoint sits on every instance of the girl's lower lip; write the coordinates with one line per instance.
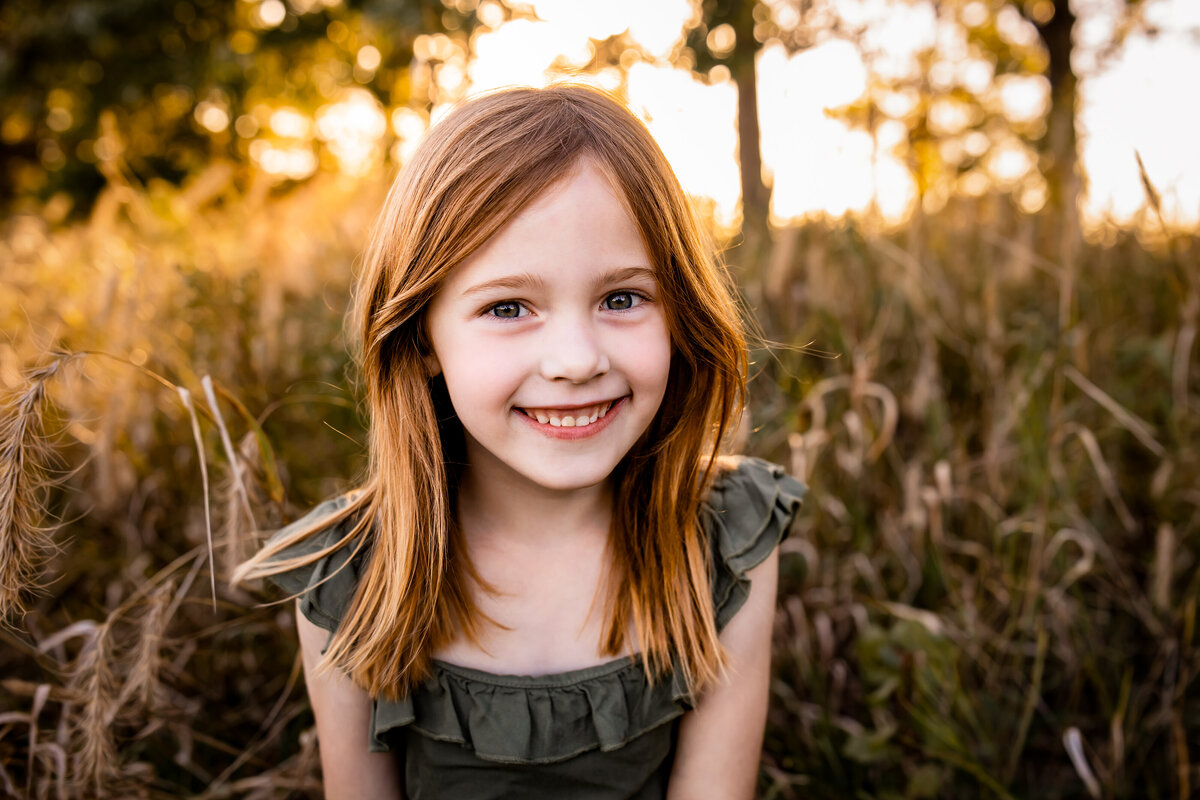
(584, 432)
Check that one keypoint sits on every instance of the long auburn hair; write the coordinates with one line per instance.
(474, 171)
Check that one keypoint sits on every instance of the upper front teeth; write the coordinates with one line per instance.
(576, 418)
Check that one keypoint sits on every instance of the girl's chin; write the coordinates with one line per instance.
(539, 463)
(557, 472)
(566, 481)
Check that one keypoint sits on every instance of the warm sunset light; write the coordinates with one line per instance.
(819, 163)
(347, 455)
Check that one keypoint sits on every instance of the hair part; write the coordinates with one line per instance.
(475, 171)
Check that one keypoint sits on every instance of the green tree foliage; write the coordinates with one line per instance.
(85, 81)
(952, 103)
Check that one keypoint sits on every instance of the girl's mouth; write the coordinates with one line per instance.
(574, 418)
(575, 423)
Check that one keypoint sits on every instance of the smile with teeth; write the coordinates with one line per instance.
(573, 418)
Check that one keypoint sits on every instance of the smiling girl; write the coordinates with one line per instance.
(550, 584)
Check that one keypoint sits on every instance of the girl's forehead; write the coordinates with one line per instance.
(579, 228)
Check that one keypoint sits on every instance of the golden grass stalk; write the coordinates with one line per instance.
(1141, 430)
(186, 397)
(25, 541)
(1152, 195)
(1165, 543)
(235, 462)
(95, 749)
(236, 499)
(40, 695)
(1108, 481)
(53, 754)
(142, 682)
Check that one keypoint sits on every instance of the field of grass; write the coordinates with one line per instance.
(991, 592)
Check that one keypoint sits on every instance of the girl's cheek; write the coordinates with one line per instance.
(483, 355)
(650, 342)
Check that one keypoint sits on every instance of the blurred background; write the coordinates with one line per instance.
(966, 229)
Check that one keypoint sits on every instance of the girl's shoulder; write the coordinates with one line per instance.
(748, 512)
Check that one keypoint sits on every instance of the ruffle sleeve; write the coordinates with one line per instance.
(325, 586)
(748, 513)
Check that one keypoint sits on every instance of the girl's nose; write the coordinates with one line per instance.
(574, 353)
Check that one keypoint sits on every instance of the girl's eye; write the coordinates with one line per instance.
(622, 301)
(509, 309)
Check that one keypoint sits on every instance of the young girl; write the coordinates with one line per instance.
(549, 583)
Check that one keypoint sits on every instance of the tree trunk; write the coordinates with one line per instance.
(1057, 147)
(1059, 234)
(749, 258)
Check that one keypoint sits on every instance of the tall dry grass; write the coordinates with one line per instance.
(998, 590)
(120, 638)
(992, 590)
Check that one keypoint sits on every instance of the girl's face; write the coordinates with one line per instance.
(553, 340)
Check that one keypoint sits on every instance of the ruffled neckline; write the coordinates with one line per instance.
(547, 681)
(528, 719)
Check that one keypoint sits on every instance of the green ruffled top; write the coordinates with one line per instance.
(598, 732)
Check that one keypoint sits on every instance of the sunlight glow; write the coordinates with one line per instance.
(409, 126)
(948, 115)
(212, 116)
(352, 129)
(294, 162)
(520, 52)
(655, 25)
(1022, 98)
(271, 13)
(895, 33)
(1137, 106)
(1009, 161)
(368, 58)
(291, 123)
(820, 165)
(693, 124)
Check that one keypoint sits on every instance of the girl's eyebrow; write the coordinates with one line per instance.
(526, 280)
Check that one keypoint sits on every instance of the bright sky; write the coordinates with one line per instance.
(1147, 102)
(820, 165)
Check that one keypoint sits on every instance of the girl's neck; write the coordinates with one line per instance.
(495, 505)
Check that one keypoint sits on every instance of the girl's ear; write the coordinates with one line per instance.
(424, 348)
(432, 365)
